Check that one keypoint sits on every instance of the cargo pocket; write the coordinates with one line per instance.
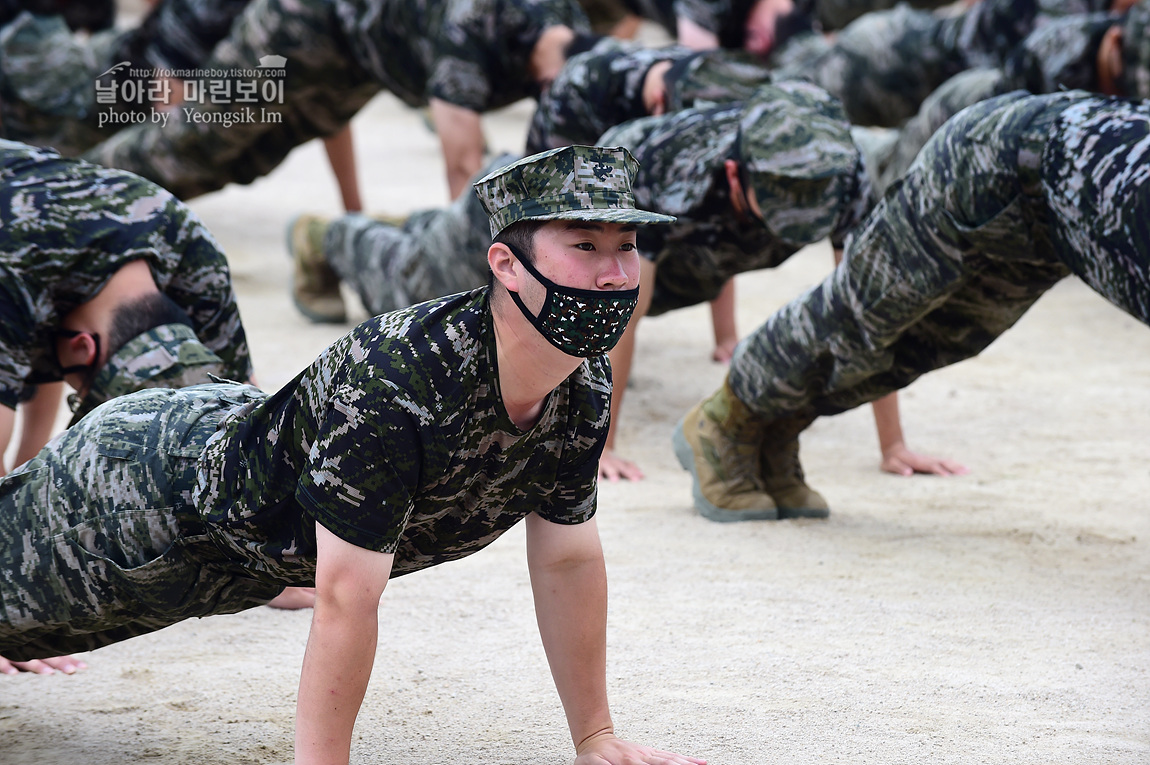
(129, 561)
(1005, 235)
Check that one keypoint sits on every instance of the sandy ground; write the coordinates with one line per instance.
(999, 617)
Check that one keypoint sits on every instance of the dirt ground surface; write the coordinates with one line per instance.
(1000, 617)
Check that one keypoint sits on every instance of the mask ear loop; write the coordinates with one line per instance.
(536, 321)
(552, 289)
(89, 370)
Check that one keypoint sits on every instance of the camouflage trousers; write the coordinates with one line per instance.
(100, 540)
(434, 253)
(204, 146)
(953, 255)
(885, 64)
(48, 83)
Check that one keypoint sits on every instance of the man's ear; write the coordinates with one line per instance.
(731, 167)
(502, 263)
(83, 349)
(1109, 63)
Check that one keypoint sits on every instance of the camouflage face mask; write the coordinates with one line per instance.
(584, 323)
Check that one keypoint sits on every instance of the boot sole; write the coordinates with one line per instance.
(804, 512)
(686, 456)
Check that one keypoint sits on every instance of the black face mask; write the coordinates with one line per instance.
(584, 323)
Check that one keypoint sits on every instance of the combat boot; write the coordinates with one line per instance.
(782, 475)
(314, 286)
(718, 443)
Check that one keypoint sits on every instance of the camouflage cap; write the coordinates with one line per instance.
(1136, 51)
(569, 183)
(168, 356)
(797, 154)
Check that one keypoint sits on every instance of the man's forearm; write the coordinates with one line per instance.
(336, 668)
(571, 606)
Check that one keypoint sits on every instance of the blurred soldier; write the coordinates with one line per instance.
(790, 141)
(109, 282)
(462, 58)
(1008, 198)
(615, 82)
(1099, 52)
(883, 65)
(53, 83)
(48, 93)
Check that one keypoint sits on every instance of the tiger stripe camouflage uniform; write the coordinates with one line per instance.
(395, 438)
(883, 65)
(1011, 196)
(1060, 55)
(340, 53)
(67, 227)
(435, 252)
(48, 74)
(681, 158)
(47, 82)
(603, 87)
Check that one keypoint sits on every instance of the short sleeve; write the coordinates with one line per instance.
(460, 79)
(362, 472)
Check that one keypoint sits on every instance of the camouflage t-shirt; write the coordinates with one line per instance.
(470, 53)
(396, 440)
(603, 87)
(66, 227)
(180, 34)
(595, 90)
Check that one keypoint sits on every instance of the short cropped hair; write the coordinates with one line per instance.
(137, 316)
(521, 236)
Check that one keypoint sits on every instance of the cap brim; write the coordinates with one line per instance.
(614, 215)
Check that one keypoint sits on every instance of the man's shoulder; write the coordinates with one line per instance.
(420, 351)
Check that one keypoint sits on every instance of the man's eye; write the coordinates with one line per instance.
(585, 246)
(627, 246)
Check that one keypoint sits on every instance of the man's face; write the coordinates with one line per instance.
(583, 255)
(762, 23)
